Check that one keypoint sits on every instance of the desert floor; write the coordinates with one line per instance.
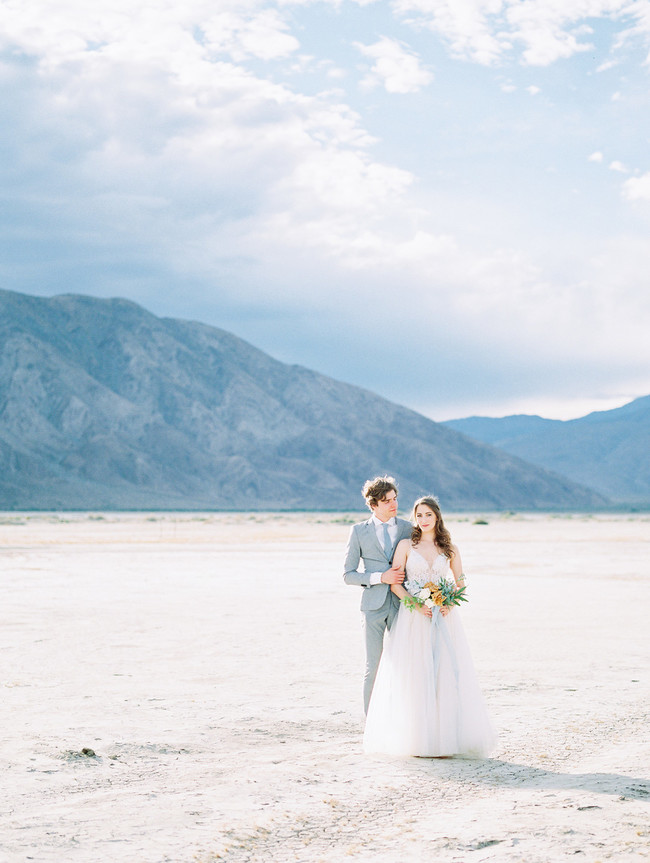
(213, 665)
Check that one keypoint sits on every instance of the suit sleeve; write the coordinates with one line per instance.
(351, 574)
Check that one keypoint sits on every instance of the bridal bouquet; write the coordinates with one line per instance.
(434, 594)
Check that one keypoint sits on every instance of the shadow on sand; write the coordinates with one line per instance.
(506, 774)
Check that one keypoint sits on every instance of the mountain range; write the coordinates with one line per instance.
(103, 405)
(606, 450)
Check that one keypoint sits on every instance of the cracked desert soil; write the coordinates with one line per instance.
(212, 664)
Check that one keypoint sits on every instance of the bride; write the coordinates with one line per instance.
(426, 699)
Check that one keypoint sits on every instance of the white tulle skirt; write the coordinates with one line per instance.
(426, 699)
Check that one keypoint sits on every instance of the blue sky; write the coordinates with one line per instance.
(444, 201)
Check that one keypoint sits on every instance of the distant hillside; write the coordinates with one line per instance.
(606, 450)
(104, 405)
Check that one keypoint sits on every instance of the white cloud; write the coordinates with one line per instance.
(541, 31)
(396, 67)
(596, 157)
(259, 33)
(241, 28)
(149, 140)
(465, 24)
(639, 29)
(188, 155)
(618, 166)
(533, 90)
(637, 188)
(547, 30)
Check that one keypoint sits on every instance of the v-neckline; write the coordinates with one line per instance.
(430, 565)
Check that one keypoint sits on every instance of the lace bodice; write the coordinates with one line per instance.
(418, 571)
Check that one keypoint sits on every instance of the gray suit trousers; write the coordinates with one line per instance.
(375, 624)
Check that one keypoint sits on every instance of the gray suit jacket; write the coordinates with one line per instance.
(363, 545)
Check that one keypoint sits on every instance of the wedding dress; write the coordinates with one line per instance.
(426, 699)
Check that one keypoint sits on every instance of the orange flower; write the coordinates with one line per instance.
(436, 593)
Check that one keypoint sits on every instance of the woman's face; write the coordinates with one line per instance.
(425, 517)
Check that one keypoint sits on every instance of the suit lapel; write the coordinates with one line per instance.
(403, 532)
(372, 538)
(399, 535)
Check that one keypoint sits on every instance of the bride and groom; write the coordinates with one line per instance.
(421, 695)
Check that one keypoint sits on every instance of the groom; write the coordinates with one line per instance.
(373, 542)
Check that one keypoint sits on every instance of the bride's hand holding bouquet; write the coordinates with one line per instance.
(442, 595)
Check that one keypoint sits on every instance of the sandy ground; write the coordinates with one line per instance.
(213, 664)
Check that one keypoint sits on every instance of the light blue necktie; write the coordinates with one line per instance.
(388, 545)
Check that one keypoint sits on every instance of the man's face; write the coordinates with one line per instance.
(386, 508)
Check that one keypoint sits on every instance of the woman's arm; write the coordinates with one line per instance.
(457, 567)
(399, 562)
(401, 556)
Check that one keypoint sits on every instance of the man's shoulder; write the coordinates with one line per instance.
(361, 524)
(402, 522)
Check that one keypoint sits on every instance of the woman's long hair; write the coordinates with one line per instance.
(441, 535)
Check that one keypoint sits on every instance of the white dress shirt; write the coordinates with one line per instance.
(375, 577)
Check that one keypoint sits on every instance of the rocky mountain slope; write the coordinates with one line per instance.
(104, 405)
(606, 450)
